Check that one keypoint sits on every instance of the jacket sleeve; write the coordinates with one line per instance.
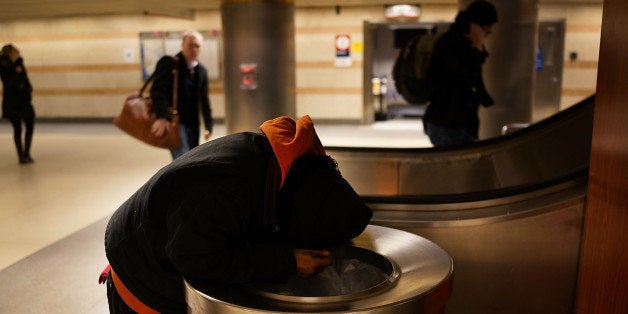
(161, 90)
(206, 108)
(9, 75)
(210, 238)
(27, 87)
(481, 95)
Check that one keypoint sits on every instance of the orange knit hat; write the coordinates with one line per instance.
(291, 140)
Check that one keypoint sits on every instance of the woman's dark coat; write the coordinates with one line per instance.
(16, 90)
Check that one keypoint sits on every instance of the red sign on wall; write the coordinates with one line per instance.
(248, 76)
(343, 45)
(343, 51)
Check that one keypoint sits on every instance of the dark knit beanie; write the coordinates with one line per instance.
(481, 12)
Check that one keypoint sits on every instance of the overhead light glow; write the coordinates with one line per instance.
(402, 12)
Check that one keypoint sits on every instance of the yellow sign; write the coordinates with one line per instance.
(357, 46)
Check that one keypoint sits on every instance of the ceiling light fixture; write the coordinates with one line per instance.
(402, 12)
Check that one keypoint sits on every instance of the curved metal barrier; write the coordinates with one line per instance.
(509, 210)
(547, 150)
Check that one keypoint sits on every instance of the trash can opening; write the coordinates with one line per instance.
(355, 273)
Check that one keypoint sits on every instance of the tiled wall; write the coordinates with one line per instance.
(78, 69)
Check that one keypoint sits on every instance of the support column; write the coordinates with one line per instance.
(509, 70)
(258, 49)
(603, 276)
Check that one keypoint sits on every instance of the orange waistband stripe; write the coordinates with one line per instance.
(128, 297)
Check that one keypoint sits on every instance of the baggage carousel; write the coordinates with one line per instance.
(509, 210)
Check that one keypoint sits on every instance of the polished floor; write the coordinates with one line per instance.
(53, 212)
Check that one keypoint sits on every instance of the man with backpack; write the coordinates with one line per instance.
(454, 78)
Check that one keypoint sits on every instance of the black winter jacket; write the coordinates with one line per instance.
(206, 217)
(16, 90)
(454, 76)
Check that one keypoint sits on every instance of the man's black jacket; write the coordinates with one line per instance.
(454, 76)
(193, 89)
(204, 217)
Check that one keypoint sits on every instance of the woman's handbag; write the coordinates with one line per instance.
(137, 117)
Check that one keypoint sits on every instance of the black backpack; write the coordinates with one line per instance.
(410, 68)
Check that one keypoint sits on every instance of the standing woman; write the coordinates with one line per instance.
(16, 100)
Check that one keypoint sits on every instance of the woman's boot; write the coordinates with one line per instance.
(20, 152)
(27, 147)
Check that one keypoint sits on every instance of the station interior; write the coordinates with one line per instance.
(533, 215)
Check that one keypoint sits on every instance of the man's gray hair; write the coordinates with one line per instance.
(192, 33)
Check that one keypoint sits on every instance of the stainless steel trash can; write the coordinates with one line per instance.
(409, 274)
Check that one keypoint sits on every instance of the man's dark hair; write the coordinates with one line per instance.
(480, 12)
(316, 207)
(305, 165)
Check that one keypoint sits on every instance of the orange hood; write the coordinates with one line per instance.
(291, 140)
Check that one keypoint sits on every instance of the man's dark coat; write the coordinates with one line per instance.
(204, 216)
